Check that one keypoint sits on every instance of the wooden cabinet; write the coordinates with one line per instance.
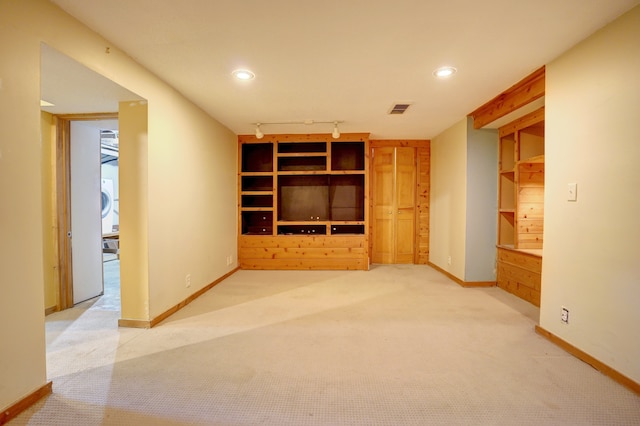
(302, 202)
(521, 206)
(519, 272)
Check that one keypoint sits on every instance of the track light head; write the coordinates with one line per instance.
(259, 133)
(336, 132)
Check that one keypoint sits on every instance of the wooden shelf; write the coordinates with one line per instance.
(303, 222)
(256, 209)
(521, 182)
(346, 172)
(532, 160)
(257, 173)
(302, 154)
(301, 172)
(270, 192)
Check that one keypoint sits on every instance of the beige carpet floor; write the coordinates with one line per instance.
(397, 345)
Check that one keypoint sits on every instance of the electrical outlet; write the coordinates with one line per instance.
(187, 280)
(449, 261)
(564, 315)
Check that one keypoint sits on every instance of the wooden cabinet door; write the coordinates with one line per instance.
(394, 194)
(405, 204)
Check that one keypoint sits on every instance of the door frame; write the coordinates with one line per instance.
(63, 197)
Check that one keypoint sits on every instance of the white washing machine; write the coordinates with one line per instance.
(107, 206)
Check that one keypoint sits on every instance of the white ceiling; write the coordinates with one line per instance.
(346, 60)
(73, 88)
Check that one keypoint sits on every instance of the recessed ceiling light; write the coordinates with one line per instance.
(444, 72)
(243, 75)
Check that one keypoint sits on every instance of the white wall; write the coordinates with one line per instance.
(193, 236)
(591, 255)
(448, 202)
(22, 357)
(192, 201)
(482, 204)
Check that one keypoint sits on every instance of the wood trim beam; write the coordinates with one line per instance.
(466, 284)
(399, 143)
(530, 119)
(13, 410)
(129, 323)
(585, 357)
(93, 116)
(525, 91)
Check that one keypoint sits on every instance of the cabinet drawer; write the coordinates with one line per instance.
(508, 272)
(523, 260)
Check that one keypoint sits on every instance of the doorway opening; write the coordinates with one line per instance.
(72, 93)
(110, 215)
(88, 209)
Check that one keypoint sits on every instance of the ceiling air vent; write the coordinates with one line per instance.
(399, 108)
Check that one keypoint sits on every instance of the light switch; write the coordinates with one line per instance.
(572, 192)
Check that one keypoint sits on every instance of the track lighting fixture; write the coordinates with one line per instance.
(335, 134)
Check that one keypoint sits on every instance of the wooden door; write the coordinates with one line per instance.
(394, 194)
(405, 204)
(383, 205)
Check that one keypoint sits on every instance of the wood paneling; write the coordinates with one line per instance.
(530, 217)
(423, 192)
(303, 252)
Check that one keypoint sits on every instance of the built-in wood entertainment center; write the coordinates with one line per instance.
(303, 201)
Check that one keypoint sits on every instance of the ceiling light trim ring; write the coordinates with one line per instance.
(444, 72)
(243, 74)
